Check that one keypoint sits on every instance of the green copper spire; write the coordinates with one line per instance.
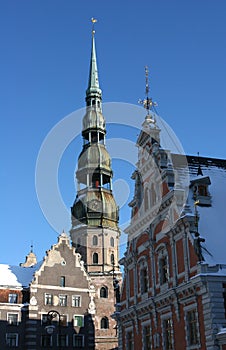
(93, 89)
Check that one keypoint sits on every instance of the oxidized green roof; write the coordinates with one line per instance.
(94, 156)
(96, 208)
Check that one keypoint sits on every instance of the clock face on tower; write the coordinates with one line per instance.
(94, 205)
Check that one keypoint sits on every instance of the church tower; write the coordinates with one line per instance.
(95, 232)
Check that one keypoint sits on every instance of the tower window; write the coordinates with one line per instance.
(95, 258)
(62, 281)
(104, 323)
(95, 240)
(112, 259)
(112, 242)
(103, 292)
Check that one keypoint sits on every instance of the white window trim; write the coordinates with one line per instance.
(51, 339)
(144, 325)
(76, 315)
(80, 336)
(58, 339)
(17, 337)
(76, 295)
(186, 310)
(13, 313)
(65, 297)
(129, 330)
(163, 318)
(46, 299)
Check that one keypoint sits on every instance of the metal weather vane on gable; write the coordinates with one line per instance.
(148, 103)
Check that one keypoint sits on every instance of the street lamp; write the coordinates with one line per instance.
(50, 328)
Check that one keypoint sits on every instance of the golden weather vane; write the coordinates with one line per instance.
(93, 20)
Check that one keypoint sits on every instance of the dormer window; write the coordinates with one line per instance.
(200, 189)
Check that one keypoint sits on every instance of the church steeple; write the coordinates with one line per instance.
(94, 214)
(94, 205)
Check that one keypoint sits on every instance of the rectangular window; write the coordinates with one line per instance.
(78, 341)
(44, 319)
(12, 319)
(63, 320)
(13, 298)
(129, 341)
(63, 300)
(168, 334)
(144, 280)
(78, 321)
(163, 269)
(62, 340)
(46, 340)
(192, 327)
(76, 300)
(62, 281)
(12, 340)
(147, 338)
(48, 299)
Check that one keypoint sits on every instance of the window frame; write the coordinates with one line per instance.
(188, 310)
(63, 300)
(48, 297)
(104, 323)
(17, 318)
(146, 335)
(73, 298)
(95, 258)
(14, 297)
(95, 240)
(104, 292)
(8, 339)
(129, 340)
(168, 337)
(59, 343)
(81, 317)
(43, 338)
(78, 336)
(62, 281)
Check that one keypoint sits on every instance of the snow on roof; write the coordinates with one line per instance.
(212, 222)
(16, 276)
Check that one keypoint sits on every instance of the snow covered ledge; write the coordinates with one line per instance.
(221, 337)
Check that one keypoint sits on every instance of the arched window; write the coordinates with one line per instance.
(103, 292)
(153, 195)
(112, 259)
(144, 280)
(104, 323)
(95, 258)
(163, 269)
(146, 199)
(95, 240)
(112, 242)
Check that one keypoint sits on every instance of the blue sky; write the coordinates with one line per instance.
(44, 63)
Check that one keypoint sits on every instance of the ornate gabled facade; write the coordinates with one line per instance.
(95, 232)
(60, 287)
(173, 291)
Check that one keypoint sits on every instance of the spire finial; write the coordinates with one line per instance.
(147, 102)
(199, 171)
(93, 20)
(93, 85)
